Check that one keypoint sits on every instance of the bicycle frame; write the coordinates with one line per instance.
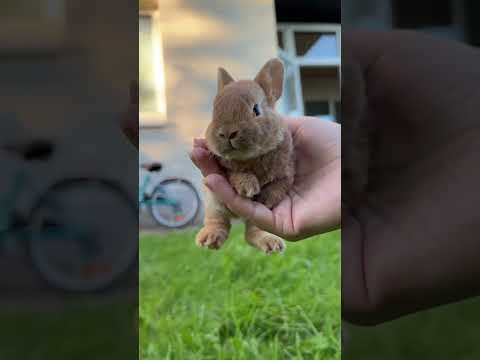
(144, 199)
(24, 232)
(49, 226)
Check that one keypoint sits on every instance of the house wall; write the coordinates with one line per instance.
(198, 37)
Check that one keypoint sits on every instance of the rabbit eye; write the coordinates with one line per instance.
(256, 110)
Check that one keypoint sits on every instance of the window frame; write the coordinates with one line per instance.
(289, 53)
(154, 119)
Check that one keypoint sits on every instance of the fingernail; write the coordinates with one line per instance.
(196, 141)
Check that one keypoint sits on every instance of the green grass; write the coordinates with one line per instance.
(444, 333)
(238, 303)
(76, 330)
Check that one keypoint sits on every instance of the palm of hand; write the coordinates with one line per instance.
(313, 204)
(418, 183)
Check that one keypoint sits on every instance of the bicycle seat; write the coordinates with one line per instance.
(152, 167)
(34, 150)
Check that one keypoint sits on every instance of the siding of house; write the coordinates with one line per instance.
(199, 36)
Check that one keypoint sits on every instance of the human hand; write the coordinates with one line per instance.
(410, 224)
(312, 206)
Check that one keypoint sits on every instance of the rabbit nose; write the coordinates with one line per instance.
(228, 135)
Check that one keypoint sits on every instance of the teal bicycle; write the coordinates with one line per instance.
(173, 202)
(81, 233)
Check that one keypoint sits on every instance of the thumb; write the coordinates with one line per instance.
(247, 209)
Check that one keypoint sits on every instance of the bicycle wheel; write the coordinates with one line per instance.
(174, 203)
(84, 234)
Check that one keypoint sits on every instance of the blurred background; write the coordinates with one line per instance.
(63, 84)
(446, 332)
(183, 42)
(454, 19)
(68, 183)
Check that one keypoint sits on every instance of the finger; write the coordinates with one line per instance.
(204, 160)
(198, 142)
(293, 123)
(366, 47)
(246, 209)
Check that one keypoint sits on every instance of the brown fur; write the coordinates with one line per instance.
(256, 152)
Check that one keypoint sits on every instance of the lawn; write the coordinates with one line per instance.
(444, 333)
(238, 303)
(73, 330)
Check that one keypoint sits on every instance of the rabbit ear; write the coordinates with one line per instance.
(224, 79)
(270, 78)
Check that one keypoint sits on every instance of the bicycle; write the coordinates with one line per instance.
(173, 202)
(71, 246)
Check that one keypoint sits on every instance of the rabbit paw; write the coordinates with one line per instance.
(270, 199)
(270, 244)
(273, 193)
(245, 184)
(211, 237)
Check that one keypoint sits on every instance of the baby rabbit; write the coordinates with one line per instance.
(254, 147)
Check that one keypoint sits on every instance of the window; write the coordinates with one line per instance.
(280, 40)
(151, 72)
(317, 108)
(320, 90)
(316, 45)
(311, 55)
(291, 100)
